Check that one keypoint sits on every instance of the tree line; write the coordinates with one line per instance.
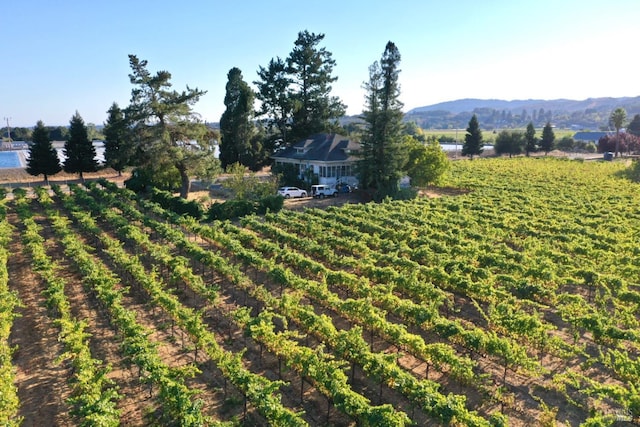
(56, 133)
(79, 151)
(165, 141)
(515, 142)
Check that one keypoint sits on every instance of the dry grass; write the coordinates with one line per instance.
(18, 177)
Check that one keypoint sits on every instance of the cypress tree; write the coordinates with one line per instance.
(236, 124)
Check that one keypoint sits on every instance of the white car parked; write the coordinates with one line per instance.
(321, 191)
(289, 192)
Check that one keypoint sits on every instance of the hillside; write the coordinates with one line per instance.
(591, 113)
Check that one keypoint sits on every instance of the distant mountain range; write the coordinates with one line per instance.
(592, 113)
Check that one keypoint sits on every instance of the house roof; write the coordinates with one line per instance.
(590, 136)
(322, 147)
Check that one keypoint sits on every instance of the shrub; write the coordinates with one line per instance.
(271, 203)
(405, 193)
(233, 209)
(177, 204)
(230, 209)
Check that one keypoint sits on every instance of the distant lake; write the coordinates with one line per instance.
(9, 159)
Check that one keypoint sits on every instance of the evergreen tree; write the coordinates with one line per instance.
(80, 154)
(275, 97)
(530, 138)
(634, 126)
(238, 132)
(509, 142)
(548, 138)
(43, 158)
(473, 144)
(382, 157)
(310, 68)
(165, 127)
(118, 146)
(59, 133)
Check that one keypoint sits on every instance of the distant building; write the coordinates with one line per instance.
(329, 156)
(587, 137)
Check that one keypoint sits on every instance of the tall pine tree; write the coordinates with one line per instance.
(275, 98)
(310, 68)
(118, 144)
(43, 158)
(382, 158)
(473, 145)
(80, 154)
(165, 127)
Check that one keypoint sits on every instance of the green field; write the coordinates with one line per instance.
(512, 299)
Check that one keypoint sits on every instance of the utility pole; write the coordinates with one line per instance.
(8, 128)
(8, 146)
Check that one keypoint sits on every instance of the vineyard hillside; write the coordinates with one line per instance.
(511, 300)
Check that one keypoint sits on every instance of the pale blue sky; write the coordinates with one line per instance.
(68, 55)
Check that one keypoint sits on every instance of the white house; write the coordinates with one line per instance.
(329, 156)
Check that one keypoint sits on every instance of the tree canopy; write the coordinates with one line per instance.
(311, 67)
(295, 92)
(427, 162)
(43, 158)
(510, 142)
(168, 133)
(274, 93)
(634, 126)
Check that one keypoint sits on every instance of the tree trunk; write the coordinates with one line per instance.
(186, 182)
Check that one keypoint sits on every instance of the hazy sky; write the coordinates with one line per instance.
(67, 55)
